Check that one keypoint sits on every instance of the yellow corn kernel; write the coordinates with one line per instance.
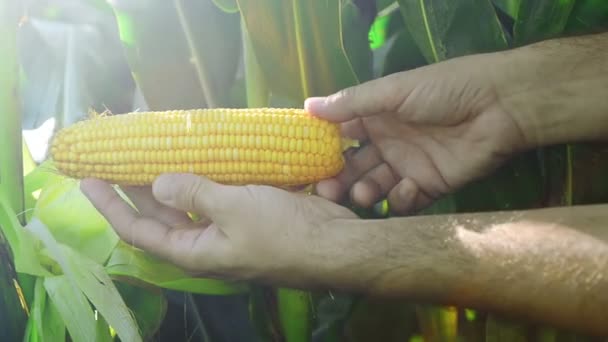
(281, 147)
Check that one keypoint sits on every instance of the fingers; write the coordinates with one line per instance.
(373, 186)
(197, 194)
(175, 245)
(376, 96)
(147, 205)
(354, 129)
(357, 165)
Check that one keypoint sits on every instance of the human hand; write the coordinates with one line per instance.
(425, 132)
(246, 232)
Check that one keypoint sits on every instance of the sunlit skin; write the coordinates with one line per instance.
(426, 133)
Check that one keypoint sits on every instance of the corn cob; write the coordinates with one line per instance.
(280, 147)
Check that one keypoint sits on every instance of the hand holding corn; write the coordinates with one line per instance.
(425, 133)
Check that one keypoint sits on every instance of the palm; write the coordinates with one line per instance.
(415, 163)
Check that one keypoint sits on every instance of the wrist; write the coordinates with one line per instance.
(396, 257)
(556, 90)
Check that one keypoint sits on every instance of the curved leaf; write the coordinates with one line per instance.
(541, 19)
(74, 310)
(130, 262)
(511, 7)
(149, 307)
(228, 6)
(294, 310)
(588, 16)
(306, 48)
(189, 61)
(87, 278)
(444, 29)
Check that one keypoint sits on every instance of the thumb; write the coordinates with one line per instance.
(381, 95)
(192, 193)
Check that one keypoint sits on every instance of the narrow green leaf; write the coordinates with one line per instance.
(511, 7)
(74, 309)
(403, 53)
(23, 245)
(263, 313)
(148, 306)
(228, 6)
(38, 307)
(12, 314)
(74, 221)
(130, 262)
(438, 323)
(255, 80)
(588, 16)
(301, 45)
(11, 164)
(541, 19)
(294, 308)
(51, 322)
(89, 277)
(358, 50)
(190, 61)
(444, 29)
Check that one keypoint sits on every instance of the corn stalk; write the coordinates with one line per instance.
(12, 315)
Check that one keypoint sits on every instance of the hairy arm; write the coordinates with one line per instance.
(550, 265)
(556, 90)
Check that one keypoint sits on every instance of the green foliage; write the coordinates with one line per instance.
(307, 48)
(444, 29)
(235, 53)
(541, 19)
(187, 62)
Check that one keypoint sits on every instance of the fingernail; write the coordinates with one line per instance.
(314, 104)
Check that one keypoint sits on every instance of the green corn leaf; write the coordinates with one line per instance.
(357, 49)
(74, 309)
(263, 313)
(190, 60)
(437, 323)
(129, 262)
(11, 140)
(399, 52)
(541, 19)
(255, 80)
(588, 16)
(307, 48)
(74, 221)
(37, 310)
(228, 6)
(89, 278)
(23, 245)
(48, 320)
(402, 54)
(444, 29)
(511, 7)
(294, 309)
(148, 305)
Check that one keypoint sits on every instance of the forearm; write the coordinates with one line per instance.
(557, 90)
(550, 265)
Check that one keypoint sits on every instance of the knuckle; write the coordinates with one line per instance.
(193, 193)
(346, 94)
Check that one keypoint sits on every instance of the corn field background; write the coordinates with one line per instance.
(64, 274)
